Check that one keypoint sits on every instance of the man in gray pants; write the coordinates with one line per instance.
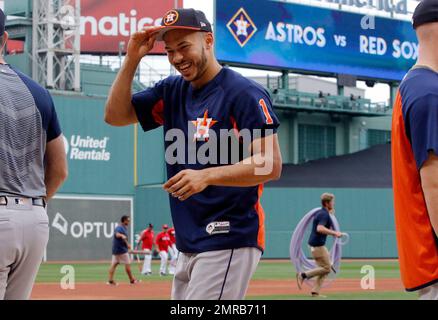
(32, 167)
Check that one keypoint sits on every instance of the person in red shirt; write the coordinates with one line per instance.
(173, 251)
(163, 242)
(147, 241)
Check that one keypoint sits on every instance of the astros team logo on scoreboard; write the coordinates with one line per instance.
(241, 27)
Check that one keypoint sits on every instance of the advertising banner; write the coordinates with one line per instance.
(278, 35)
(81, 228)
(104, 24)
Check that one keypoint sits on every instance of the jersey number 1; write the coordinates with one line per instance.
(268, 117)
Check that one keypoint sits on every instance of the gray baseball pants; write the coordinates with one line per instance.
(429, 293)
(214, 275)
(24, 233)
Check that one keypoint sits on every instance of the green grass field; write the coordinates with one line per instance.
(267, 270)
(349, 270)
(390, 295)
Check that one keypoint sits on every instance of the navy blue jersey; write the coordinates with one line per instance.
(28, 122)
(322, 217)
(119, 245)
(219, 217)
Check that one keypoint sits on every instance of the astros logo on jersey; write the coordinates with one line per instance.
(170, 18)
(203, 126)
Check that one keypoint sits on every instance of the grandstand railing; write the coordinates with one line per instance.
(294, 100)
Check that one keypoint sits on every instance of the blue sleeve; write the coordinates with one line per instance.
(119, 229)
(149, 106)
(422, 127)
(53, 127)
(330, 222)
(323, 219)
(253, 110)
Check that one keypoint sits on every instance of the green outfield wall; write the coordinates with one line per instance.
(100, 157)
(125, 161)
(366, 214)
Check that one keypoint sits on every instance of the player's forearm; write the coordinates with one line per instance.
(330, 232)
(326, 231)
(53, 181)
(54, 175)
(429, 184)
(250, 172)
(430, 191)
(55, 166)
(118, 108)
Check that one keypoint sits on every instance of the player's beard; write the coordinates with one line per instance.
(200, 67)
(2, 46)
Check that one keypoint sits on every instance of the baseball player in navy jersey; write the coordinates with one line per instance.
(120, 251)
(214, 196)
(414, 148)
(33, 166)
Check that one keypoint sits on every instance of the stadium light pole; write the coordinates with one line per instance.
(56, 43)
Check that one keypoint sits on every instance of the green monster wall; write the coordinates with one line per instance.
(100, 157)
(366, 214)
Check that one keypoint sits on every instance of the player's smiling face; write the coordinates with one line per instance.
(186, 51)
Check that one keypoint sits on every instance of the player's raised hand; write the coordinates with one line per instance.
(142, 42)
